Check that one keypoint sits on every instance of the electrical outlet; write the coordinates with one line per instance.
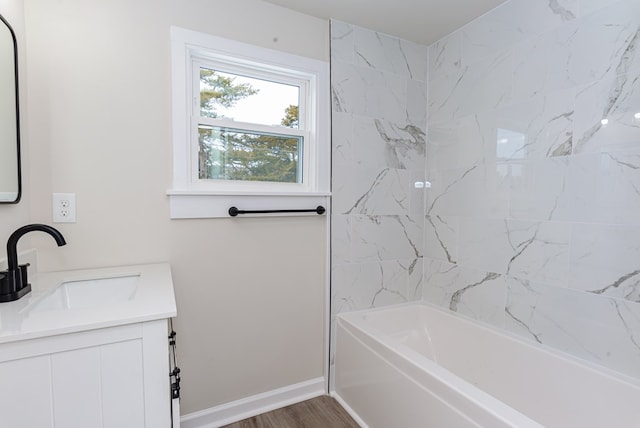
(64, 207)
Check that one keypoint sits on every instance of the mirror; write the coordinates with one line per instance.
(10, 182)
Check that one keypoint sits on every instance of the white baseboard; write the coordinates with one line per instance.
(349, 410)
(251, 406)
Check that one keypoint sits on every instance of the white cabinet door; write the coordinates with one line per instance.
(122, 385)
(25, 394)
(76, 388)
(99, 387)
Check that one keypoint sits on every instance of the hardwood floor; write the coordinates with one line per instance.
(319, 412)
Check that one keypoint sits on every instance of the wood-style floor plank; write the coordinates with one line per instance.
(319, 412)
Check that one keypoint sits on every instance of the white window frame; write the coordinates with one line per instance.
(191, 197)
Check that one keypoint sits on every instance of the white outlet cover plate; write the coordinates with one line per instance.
(64, 207)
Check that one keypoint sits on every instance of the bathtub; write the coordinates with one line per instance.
(420, 366)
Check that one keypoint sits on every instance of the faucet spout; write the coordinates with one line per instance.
(12, 242)
(13, 282)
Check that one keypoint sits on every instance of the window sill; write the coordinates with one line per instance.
(207, 204)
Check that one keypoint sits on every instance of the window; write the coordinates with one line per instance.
(247, 121)
(249, 128)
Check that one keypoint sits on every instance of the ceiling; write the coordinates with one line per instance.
(423, 21)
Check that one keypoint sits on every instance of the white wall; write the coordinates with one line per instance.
(250, 293)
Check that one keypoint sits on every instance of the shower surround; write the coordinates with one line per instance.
(379, 104)
(532, 131)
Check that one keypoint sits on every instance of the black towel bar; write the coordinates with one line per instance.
(234, 211)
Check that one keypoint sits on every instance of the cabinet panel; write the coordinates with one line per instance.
(156, 360)
(122, 385)
(108, 378)
(25, 395)
(76, 388)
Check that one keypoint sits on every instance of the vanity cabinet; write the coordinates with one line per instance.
(114, 377)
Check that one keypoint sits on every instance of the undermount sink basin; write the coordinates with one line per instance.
(88, 293)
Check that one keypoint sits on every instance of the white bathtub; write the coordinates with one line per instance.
(420, 366)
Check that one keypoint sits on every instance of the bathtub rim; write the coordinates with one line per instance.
(355, 318)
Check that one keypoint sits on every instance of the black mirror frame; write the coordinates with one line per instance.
(15, 69)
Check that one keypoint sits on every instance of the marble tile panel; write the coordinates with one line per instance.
(605, 188)
(418, 195)
(605, 42)
(415, 277)
(341, 239)
(477, 294)
(441, 238)
(608, 114)
(461, 143)
(359, 239)
(605, 260)
(586, 7)
(360, 285)
(376, 238)
(484, 244)
(512, 22)
(602, 330)
(380, 143)
(372, 191)
(371, 285)
(416, 109)
(479, 87)
(388, 98)
(481, 190)
(541, 63)
(445, 55)
(390, 54)
(342, 139)
(537, 128)
(532, 250)
(579, 196)
(347, 88)
(368, 92)
(538, 189)
(539, 251)
(579, 53)
(342, 42)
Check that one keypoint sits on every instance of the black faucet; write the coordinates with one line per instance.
(13, 281)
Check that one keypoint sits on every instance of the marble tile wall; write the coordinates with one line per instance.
(532, 223)
(379, 110)
(533, 220)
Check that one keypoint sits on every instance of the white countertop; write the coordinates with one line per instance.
(153, 299)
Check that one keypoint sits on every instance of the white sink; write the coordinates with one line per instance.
(88, 293)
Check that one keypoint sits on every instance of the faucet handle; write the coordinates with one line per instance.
(23, 274)
(13, 284)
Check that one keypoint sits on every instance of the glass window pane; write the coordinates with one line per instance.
(232, 154)
(248, 99)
